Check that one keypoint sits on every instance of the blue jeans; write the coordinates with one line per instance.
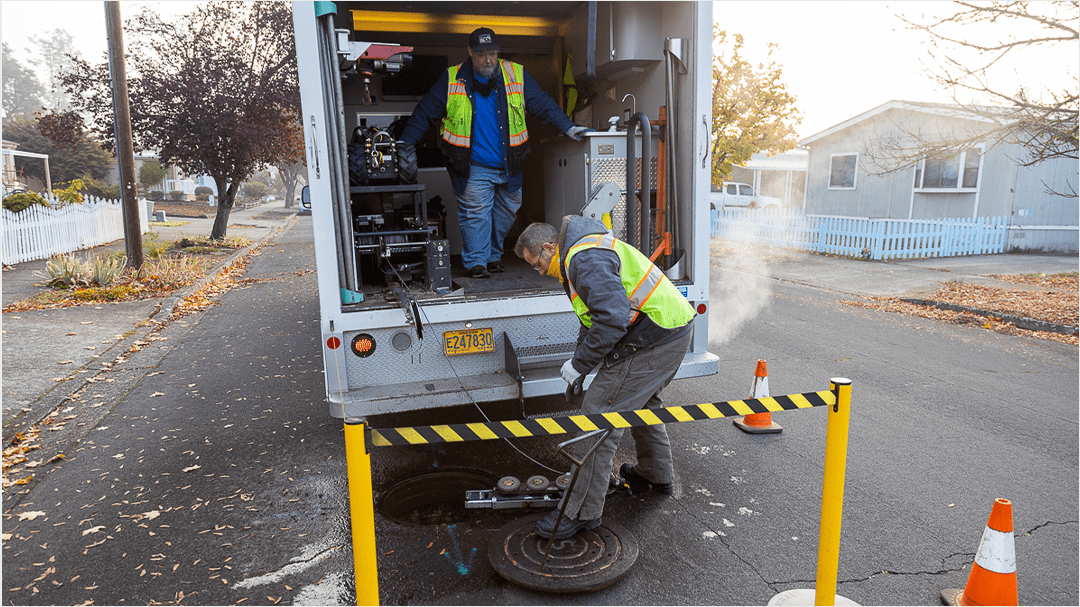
(486, 212)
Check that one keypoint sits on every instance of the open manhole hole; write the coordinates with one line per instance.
(433, 498)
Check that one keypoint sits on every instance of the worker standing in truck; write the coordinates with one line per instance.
(482, 103)
(635, 329)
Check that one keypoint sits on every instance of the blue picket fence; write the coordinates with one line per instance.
(874, 238)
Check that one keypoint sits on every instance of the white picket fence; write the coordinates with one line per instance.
(38, 232)
(874, 238)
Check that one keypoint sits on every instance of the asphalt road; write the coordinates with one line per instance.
(219, 475)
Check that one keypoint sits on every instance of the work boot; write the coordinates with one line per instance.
(567, 526)
(478, 271)
(640, 484)
(495, 267)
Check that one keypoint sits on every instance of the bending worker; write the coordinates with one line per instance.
(485, 142)
(636, 326)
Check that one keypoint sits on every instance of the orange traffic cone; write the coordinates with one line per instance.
(758, 423)
(992, 580)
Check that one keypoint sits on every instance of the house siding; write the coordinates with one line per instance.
(1039, 220)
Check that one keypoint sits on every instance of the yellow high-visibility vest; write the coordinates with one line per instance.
(457, 125)
(647, 288)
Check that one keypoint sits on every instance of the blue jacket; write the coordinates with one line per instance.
(432, 108)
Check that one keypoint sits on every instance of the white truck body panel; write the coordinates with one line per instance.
(407, 367)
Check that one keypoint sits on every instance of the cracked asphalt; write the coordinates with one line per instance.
(213, 474)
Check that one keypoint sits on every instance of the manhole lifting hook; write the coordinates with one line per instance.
(603, 434)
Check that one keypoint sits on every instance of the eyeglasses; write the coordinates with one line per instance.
(540, 259)
(487, 54)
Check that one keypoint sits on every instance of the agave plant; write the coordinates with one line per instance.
(107, 269)
(67, 271)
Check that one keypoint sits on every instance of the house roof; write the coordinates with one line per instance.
(951, 110)
(791, 160)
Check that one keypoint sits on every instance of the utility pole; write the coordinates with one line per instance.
(125, 153)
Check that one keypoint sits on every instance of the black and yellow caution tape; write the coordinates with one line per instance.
(547, 426)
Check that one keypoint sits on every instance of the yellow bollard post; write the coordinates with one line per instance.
(832, 507)
(832, 492)
(362, 511)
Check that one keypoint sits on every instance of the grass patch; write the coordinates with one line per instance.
(167, 267)
(95, 294)
(168, 224)
(203, 244)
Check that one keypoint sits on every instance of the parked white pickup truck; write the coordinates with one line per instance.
(740, 195)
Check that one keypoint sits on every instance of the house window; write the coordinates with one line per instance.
(842, 171)
(957, 172)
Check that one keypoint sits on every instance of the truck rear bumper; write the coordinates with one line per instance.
(538, 381)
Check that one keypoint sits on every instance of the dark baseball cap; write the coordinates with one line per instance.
(483, 39)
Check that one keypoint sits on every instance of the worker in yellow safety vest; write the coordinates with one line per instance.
(482, 105)
(635, 330)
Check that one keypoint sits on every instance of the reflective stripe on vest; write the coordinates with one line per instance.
(646, 286)
(514, 77)
(457, 125)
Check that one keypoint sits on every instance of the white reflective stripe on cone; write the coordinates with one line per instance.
(996, 552)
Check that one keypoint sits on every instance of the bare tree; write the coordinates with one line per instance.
(1042, 122)
(55, 51)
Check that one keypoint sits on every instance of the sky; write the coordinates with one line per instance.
(840, 59)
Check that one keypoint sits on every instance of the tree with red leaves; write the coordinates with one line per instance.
(212, 92)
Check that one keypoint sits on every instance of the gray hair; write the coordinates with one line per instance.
(534, 238)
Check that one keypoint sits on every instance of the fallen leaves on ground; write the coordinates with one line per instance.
(1052, 299)
(227, 278)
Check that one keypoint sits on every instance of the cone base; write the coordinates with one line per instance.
(772, 428)
(807, 597)
(951, 596)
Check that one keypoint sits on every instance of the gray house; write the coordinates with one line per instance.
(844, 176)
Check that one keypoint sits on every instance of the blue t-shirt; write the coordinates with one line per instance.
(486, 142)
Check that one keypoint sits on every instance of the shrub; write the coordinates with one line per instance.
(255, 189)
(156, 196)
(70, 194)
(203, 193)
(175, 196)
(23, 200)
(151, 173)
(152, 248)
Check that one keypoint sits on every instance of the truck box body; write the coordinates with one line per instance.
(403, 325)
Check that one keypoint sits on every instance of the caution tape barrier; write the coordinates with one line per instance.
(547, 426)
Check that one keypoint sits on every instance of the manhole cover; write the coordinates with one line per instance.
(432, 498)
(586, 562)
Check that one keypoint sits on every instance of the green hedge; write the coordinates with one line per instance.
(22, 201)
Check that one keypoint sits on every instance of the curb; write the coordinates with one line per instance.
(169, 304)
(1020, 321)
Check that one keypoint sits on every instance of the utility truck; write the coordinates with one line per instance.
(403, 325)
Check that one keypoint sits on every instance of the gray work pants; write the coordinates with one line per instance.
(633, 384)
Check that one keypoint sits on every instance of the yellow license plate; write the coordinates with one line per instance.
(468, 341)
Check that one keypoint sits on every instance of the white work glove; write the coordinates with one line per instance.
(576, 131)
(569, 373)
